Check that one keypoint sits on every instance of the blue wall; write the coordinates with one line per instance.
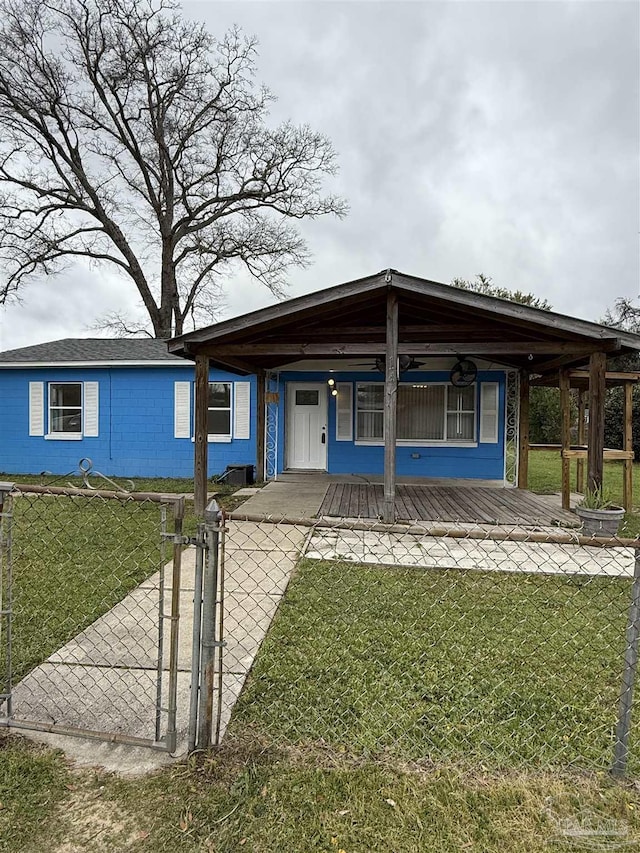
(136, 425)
(136, 432)
(486, 461)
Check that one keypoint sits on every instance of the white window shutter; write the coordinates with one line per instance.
(242, 415)
(344, 411)
(90, 414)
(36, 408)
(489, 399)
(182, 409)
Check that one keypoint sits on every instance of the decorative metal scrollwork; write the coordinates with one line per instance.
(511, 426)
(272, 384)
(85, 468)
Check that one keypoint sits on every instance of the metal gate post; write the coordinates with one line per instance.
(197, 632)
(6, 607)
(172, 703)
(212, 518)
(621, 749)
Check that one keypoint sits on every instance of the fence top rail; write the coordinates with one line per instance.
(154, 497)
(497, 533)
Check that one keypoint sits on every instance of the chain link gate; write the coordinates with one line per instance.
(89, 610)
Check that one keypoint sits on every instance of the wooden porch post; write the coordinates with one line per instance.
(201, 445)
(523, 432)
(597, 369)
(260, 426)
(627, 486)
(565, 441)
(390, 406)
(582, 439)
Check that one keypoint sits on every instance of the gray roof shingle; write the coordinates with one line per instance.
(91, 350)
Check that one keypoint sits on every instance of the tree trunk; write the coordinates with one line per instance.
(169, 299)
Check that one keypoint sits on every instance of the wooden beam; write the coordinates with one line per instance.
(201, 446)
(261, 427)
(628, 376)
(582, 436)
(580, 379)
(390, 409)
(607, 455)
(431, 331)
(597, 370)
(523, 432)
(565, 437)
(627, 485)
(372, 347)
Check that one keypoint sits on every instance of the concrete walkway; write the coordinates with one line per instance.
(428, 552)
(104, 679)
(291, 499)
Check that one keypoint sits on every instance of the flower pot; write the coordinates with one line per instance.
(600, 522)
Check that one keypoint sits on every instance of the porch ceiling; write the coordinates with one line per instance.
(435, 320)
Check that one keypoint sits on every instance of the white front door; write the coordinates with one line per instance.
(307, 425)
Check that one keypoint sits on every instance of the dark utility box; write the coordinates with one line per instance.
(239, 475)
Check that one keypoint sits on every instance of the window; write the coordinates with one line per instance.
(65, 407)
(426, 412)
(461, 413)
(369, 409)
(222, 398)
(219, 414)
(307, 397)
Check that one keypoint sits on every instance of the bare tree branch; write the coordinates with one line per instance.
(133, 137)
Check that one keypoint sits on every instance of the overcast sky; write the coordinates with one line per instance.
(494, 137)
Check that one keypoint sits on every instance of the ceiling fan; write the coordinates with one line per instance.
(463, 373)
(405, 362)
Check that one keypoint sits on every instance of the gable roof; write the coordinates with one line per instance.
(80, 352)
(430, 312)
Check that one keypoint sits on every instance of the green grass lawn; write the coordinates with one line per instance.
(250, 797)
(458, 665)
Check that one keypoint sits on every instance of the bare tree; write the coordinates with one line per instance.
(130, 136)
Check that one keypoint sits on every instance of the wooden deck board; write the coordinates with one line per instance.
(465, 504)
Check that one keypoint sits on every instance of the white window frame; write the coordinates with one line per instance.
(222, 437)
(64, 436)
(456, 411)
(412, 442)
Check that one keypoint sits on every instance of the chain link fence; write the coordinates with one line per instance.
(503, 645)
(89, 604)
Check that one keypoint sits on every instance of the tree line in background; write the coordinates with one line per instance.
(544, 413)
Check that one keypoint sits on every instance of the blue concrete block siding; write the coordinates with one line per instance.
(486, 461)
(136, 428)
(136, 425)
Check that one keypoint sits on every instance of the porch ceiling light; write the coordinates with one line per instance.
(334, 392)
(331, 382)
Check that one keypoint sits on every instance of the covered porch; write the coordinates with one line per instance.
(423, 330)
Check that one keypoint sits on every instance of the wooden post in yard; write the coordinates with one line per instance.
(201, 438)
(523, 432)
(261, 426)
(565, 433)
(582, 439)
(627, 486)
(390, 407)
(595, 455)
